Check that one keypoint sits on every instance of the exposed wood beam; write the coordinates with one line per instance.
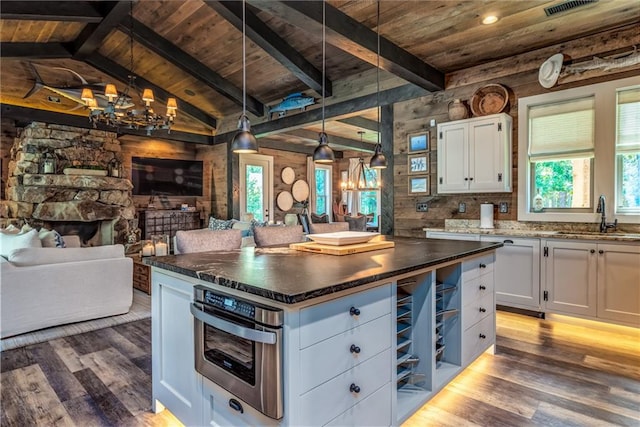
(269, 41)
(187, 63)
(386, 175)
(28, 50)
(294, 121)
(293, 148)
(93, 35)
(66, 11)
(361, 122)
(356, 39)
(347, 143)
(117, 71)
(25, 115)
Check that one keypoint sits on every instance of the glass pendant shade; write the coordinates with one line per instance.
(323, 153)
(244, 142)
(378, 161)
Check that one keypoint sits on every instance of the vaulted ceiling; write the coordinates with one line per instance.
(192, 50)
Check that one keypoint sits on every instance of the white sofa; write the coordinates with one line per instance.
(43, 287)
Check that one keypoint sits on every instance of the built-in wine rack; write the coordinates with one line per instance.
(446, 313)
(409, 376)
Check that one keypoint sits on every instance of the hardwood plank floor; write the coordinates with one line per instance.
(544, 373)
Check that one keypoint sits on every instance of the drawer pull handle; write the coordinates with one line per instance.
(354, 388)
(483, 266)
(354, 349)
(235, 405)
(508, 241)
(482, 310)
(483, 288)
(483, 336)
(354, 311)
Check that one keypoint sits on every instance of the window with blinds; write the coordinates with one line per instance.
(561, 152)
(628, 150)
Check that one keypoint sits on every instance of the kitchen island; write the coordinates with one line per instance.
(366, 339)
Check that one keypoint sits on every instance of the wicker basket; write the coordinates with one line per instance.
(490, 99)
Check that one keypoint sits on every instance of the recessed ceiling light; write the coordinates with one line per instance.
(189, 92)
(489, 19)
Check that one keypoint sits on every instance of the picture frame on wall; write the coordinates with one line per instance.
(419, 185)
(418, 163)
(418, 142)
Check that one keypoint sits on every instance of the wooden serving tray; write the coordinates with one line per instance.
(341, 250)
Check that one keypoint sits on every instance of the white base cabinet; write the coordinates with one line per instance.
(619, 283)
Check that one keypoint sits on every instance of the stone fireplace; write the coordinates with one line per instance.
(77, 197)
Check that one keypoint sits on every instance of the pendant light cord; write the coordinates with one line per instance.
(378, 73)
(323, 61)
(244, 62)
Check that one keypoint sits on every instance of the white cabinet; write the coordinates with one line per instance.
(619, 283)
(474, 155)
(175, 383)
(517, 272)
(452, 236)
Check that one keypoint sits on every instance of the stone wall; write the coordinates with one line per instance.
(45, 199)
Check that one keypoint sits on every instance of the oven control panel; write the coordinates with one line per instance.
(231, 304)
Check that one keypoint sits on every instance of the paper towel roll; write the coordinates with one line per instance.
(486, 215)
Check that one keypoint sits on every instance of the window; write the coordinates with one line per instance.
(370, 200)
(256, 186)
(575, 145)
(561, 150)
(628, 150)
(323, 189)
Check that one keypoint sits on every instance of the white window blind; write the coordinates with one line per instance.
(562, 130)
(628, 126)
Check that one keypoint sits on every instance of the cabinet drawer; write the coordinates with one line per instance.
(323, 403)
(331, 318)
(477, 339)
(326, 359)
(375, 410)
(477, 288)
(140, 269)
(477, 266)
(477, 310)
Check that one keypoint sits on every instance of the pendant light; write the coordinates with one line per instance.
(323, 153)
(378, 161)
(244, 141)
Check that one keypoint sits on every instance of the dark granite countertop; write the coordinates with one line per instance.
(290, 276)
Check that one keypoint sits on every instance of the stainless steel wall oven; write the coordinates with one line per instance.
(238, 345)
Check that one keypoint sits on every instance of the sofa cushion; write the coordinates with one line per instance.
(207, 240)
(332, 227)
(72, 241)
(9, 242)
(11, 229)
(38, 256)
(220, 224)
(278, 235)
(356, 223)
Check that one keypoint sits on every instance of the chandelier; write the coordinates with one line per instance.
(117, 109)
(361, 178)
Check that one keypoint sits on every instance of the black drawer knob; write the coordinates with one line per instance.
(593, 251)
(354, 388)
(354, 311)
(483, 310)
(483, 266)
(354, 349)
(600, 251)
(483, 288)
(483, 336)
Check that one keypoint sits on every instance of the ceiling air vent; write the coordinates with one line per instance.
(566, 5)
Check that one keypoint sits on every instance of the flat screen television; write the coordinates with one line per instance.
(170, 177)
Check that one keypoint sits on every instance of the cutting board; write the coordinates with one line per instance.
(341, 250)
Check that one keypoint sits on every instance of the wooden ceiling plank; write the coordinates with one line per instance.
(25, 115)
(74, 11)
(349, 35)
(116, 71)
(361, 122)
(273, 44)
(190, 65)
(93, 35)
(22, 50)
(332, 111)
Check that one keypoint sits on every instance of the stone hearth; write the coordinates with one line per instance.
(58, 200)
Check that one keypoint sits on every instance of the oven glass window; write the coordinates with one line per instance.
(232, 353)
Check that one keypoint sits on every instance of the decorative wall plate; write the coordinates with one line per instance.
(284, 201)
(288, 175)
(300, 190)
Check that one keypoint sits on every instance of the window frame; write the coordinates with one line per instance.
(604, 164)
(329, 188)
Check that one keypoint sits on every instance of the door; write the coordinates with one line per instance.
(256, 186)
(453, 158)
(570, 277)
(485, 156)
(517, 272)
(619, 283)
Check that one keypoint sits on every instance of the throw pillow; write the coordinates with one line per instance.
(220, 224)
(319, 219)
(9, 242)
(356, 223)
(11, 229)
(51, 239)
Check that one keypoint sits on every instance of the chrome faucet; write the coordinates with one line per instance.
(604, 225)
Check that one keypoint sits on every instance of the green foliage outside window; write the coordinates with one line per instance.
(321, 191)
(630, 164)
(554, 182)
(255, 204)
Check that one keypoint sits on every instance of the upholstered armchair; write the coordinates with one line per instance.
(278, 235)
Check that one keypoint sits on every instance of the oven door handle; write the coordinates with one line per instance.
(232, 328)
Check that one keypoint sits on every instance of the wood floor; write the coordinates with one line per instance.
(544, 373)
